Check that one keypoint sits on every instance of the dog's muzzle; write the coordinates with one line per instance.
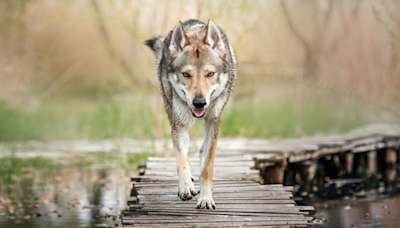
(199, 103)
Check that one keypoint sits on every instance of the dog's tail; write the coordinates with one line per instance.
(156, 44)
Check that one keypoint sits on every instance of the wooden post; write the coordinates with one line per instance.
(275, 174)
(359, 164)
(281, 171)
(371, 162)
(306, 172)
(349, 163)
(390, 160)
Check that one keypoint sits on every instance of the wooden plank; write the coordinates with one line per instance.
(281, 210)
(228, 197)
(217, 188)
(173, 190)
(148, 178)
(215, 184)
(309, 209)
(197, 159)
(175, 217)
(217, 163)
(227, 173)
(284, 225)
(197, 170)
(216, 213)
(209, 218)
(218, 223)
(230, 207)
(223, 201)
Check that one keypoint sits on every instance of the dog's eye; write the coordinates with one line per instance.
(210, 74)
(186, 75)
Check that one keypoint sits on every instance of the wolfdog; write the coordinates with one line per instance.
(196, 70)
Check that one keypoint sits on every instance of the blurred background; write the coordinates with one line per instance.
(79, 69)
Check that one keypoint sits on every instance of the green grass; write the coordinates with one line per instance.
(284, 117)
(289, 119)
(19, 124)
(110, 120)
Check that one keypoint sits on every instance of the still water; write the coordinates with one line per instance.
(375, 211)
(70, 191)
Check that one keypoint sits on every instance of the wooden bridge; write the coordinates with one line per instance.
(240, 167)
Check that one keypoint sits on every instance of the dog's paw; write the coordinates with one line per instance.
(205, 203)
(186, 190)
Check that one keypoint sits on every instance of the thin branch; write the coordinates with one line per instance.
(328, 14)
(67, 74)
(110, 49)
(294, 30)
(165, 17)
(345, 25)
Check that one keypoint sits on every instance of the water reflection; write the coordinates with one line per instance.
(70, 191)
(375, 211)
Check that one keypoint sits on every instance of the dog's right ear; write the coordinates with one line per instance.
(178, 40)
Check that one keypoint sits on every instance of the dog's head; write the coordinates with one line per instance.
(198, 70)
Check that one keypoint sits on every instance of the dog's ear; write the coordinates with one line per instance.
(178, 40)
(214, 39)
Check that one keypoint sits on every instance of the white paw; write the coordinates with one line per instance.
(205, 202)
(186, 189)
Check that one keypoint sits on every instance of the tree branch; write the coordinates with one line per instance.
(110, 49)
(293, 29)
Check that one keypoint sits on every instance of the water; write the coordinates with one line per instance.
(376, 210)
(77, 190)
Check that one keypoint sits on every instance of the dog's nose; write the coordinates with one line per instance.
(199, 102)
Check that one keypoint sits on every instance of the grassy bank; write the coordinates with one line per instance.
(116, 119)
(289, 119)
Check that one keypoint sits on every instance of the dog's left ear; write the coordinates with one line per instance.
(214, 39)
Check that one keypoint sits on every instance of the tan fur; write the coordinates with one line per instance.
(207, 171)
(199, 84)
(185, 58)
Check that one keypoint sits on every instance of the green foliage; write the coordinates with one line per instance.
(134, 159)
(117, 119)
(288, 119)
(397, 76)
(111, 120)
(31, 174)
(17, 124)
(11, 167)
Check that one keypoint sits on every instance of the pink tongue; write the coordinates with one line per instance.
(198, 113)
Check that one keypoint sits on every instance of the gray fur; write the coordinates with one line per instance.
(195, 55)
(163, 62)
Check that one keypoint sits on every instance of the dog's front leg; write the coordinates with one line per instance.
(180, 138)
(207, 154)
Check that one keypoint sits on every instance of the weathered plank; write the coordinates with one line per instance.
(280, 211)
(221, 201)
(240, 200)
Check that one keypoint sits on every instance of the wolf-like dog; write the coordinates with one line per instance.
(196, 69)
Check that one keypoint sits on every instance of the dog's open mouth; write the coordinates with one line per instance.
(198, 113)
